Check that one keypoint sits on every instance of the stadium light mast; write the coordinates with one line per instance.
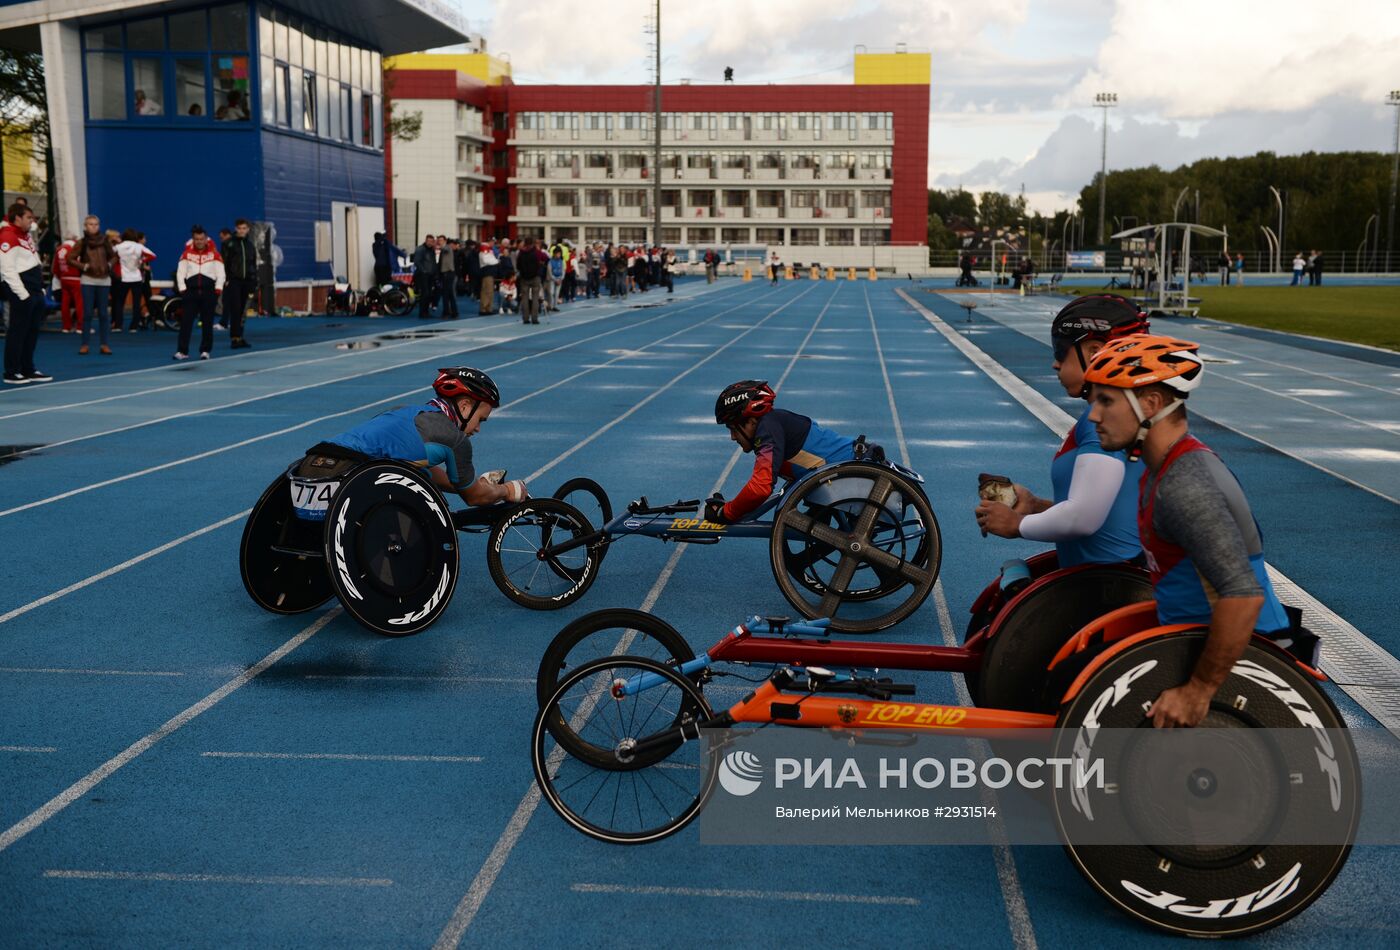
(656, 129)
(1104, 101)
(1278, 237)
(1393, 100)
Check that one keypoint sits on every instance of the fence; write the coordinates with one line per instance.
(1255, 262)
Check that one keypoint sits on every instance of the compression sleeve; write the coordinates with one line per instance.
(439, 454)
(770, 450)
(1093, 489)
(446, 444)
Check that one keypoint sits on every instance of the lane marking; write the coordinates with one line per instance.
(27, 748)
(423, 677)
(77, 672)
(1018, 917)
(1360, 651)
(340, 756)
(118, 568)
(466, 910)
(725, 893)
(276, 880)
(100, 774)
(344, 378)
(354, 410)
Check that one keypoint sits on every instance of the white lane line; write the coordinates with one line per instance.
(340, 756)
(354, 410)
(275, 880)
(27, 748)
(1347, 640)
(1295, 368)
(726, 893)
(117, 568)
(467, 908)
(434, 357)
(1018, 916)
(420, 678)
(100, 774)
(62, 671)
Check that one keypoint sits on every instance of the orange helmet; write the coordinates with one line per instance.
(1144, 359)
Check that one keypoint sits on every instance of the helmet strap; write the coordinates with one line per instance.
(1144, 423)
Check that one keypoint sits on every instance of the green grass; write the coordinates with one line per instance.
(1368, 315)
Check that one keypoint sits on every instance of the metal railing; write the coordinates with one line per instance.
(1117, 261)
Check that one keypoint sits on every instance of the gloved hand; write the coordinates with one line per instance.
(714, 509)
(516, 488)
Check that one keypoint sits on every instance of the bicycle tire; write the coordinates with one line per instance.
(554, 520)
(653, 638)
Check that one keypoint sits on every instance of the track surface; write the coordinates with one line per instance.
(178, 768)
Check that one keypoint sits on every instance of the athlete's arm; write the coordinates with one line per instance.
(1093, 488)
(759, 486)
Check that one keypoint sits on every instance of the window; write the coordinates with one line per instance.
(670, 236)
(873, 120)
(348, 118)
(106, 85)
(146, 34)
(700, 235)
(840, 237)
(598, 235)
(874, 199)
(308, 103)
(840, 199)
(770, 160)
(869, 236)
(700, 198)
(104, 37)
(228, 27)
(562, 159)
(768, 121)
(735, 198)
(191, 92)
(768, 235)
(632, 235)
(323, 111)
(671, 198)
(697, 121)
(187, 31)
(632, 197)
(567, 197)
(598, 198)
(232, 102)
(336, 110)
(531, 197)
(367, 121)
(524, 231)
(733, 160)
(735, 235)
(769, 199)
(697, 160)
(670, 160)
(634, 160)
(806, 199)
(804, 236)
(731, 122)
(595, 159)
(148, 87)
(805, 160)
(566, 234)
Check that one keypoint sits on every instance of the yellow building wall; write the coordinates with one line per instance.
(23, 170)
(483, 66)
(893, 69)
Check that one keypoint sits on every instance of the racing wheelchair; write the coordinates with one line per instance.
(856, 542)
(613, 753)
(377, 534)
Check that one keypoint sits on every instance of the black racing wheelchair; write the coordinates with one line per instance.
(380, 536)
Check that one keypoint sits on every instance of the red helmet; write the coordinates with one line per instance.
(746, 399)
(457, 381)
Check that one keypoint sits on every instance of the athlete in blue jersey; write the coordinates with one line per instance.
(1205, 551)
(436, 435)
(1092, 517)
(784, 444)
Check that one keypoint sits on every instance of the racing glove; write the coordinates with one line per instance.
(714, 509)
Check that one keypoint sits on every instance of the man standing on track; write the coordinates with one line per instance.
(240, 280)
(22, 284)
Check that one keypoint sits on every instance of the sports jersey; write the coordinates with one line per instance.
(1117, 538)
(1201, 540)
(788, 445)
(423, 435)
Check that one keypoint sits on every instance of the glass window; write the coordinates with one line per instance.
(769, 199)
(265, 35)
(308, 103)
(191, 91)
(322, 55)
(670, 236)
(597, 235)
(228, 27)
(734, 235)
(146, 34)
(279, 95)
(671, 198)
(347, 118)
(804, 235)
(323, 110)
(344, 61)
(840, 237)
(566, 197)
(595, 160)
(597, 197)
(840, 199)
(106, 86)
(269, 112)
(367, 121)
(294, 103)
(281, 36)
(700, 235)
(632, 235)
(697, 160)
(702, 198)
(148, 86)
(869, 236)
(187, 31)
(769, 235)
(104, 37)
(232, 92)
(355, 71)
(376, 72)
(379, 124)
(295, 42)
(337, 110)
(805, 199)
(770, 160)
(734, 199)
(352, 116)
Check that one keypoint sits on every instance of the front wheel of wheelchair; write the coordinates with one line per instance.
(277, 577)
(603, 633)
(639, 779)
(1224, 830)
(391, 548)
(534, 579)
(591, 501)
(858, 543)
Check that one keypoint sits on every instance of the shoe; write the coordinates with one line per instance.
(117, 327)
(83, 350)
(38, 376)
(180, 357)
(16, 379)
(220, 326)
(204, 356)
(65, 330)
(239, 344)
(105, 350)
(132, 329)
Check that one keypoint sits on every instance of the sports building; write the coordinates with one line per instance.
(831, 174)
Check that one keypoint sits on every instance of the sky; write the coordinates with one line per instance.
(1014, 80)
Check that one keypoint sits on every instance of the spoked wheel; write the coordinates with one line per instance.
(853, 535)
(609, 633)
(391, 548)
(530, 578)
(279, 580)
(396, 302)
(1211, 823)
(591, 501)
(637, 779)
(171, 312)
(1025, 637)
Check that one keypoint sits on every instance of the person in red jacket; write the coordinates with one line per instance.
(200, 280)
(22, 284)
(69, 276)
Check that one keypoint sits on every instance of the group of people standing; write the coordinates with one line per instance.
(1307, 265)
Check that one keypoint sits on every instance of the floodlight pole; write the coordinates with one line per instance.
(1393, 100)
(656, 130)
(1104, 101)
(1278, 237)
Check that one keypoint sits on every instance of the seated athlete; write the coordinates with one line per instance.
(437, 436)
(783, 443)
(1092, 518)
(1204, 549)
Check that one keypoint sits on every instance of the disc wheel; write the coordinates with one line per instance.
(281, 582)
(391, 548)
(396, 302)
(513, 555)
(1031, 628)
(592, 502)
(857, 533)
(1271, 764)
(642, 782)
